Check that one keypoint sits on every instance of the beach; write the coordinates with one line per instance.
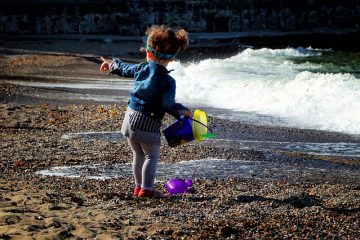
(283, 195)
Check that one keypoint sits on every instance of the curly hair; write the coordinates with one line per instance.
(163, 39)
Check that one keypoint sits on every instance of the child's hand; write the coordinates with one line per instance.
(105, 66)
(188, 113)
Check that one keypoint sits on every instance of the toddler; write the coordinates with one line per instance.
(153, 95)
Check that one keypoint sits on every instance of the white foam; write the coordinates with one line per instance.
(267, 82)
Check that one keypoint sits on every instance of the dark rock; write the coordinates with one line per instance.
(12, 219)
(34, 228)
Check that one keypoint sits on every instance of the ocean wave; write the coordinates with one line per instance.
(268, 81)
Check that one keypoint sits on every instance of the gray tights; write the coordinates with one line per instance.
(145, 159)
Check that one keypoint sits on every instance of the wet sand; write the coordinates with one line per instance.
(321, 201)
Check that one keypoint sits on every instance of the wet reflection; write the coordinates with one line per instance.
(212, 168)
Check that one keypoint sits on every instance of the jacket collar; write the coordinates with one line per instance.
(158, 66)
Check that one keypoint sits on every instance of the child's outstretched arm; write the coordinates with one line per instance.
(118, 67)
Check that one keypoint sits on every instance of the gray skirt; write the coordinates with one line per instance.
(141, 128)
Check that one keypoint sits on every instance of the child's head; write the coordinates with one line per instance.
(163, 43)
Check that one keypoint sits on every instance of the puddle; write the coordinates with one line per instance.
(113, 136)
(333, 149)
(63, 82)
(209, 168)
(85, 89)
(62, 95)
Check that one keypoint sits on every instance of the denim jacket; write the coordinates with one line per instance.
(154, 89)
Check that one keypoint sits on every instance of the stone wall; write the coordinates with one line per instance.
(133, 17)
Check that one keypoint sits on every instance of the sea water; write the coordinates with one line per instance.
(302, 88)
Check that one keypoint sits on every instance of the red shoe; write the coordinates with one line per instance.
(136, 191)
(144, 193)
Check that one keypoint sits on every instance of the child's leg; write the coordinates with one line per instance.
(138, 161)
(152, 156)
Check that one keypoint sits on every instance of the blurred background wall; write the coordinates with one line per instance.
(133, 17)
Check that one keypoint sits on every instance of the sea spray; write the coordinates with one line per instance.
(273, 83)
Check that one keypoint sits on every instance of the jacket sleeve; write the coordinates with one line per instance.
(122, 69)
(169, 104)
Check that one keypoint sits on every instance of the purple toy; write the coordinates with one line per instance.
(188, 182)
(177, 185)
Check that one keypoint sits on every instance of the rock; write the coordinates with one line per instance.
(12, 219)
(226, 231)
(34, 228)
